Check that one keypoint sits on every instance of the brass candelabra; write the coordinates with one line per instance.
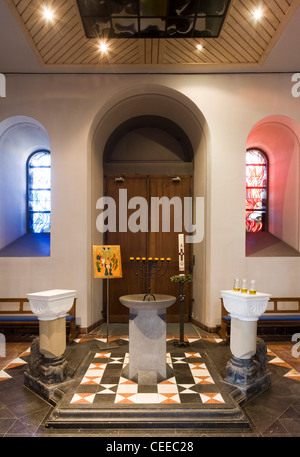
(150, 268)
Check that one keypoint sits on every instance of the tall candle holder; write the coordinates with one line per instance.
(150, 268)
(182, 279)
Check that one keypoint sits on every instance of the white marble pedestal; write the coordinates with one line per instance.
(51, 307)
(147, 337)
(244, 310)
(47, 366)
(247, 368)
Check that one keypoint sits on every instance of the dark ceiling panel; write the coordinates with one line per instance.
(152, 18)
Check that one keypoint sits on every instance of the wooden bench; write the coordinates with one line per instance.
(276, 317)
(15, 315)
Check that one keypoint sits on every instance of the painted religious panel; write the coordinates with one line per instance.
(107, 261)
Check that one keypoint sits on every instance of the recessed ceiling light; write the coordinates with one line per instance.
(257, 14)
(199, 47)
(48, 13)
(103, 47)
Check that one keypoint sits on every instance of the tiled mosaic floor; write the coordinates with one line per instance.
(19, 361)
(100, 382)
(187, 363)
(197, 379)
(191, 381)
(289, 372)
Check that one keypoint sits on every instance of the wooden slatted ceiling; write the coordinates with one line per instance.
(242, 40)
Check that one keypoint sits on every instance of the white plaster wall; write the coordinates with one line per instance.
(76, 110)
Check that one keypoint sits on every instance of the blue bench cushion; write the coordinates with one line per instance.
(273, 317)
(33, 318)
(282, 317)
(16, 318)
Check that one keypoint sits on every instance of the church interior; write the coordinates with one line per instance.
(149, 218)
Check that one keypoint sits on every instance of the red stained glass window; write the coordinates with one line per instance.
(256, 190)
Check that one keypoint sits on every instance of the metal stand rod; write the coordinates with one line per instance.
(181, 325)
(181, 341)
(107, 310)
(107, 344)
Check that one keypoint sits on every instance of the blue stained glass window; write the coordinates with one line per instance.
(39, 192)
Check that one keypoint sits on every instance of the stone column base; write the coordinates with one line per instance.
(147, 377)
(44, 375)
(251, 375)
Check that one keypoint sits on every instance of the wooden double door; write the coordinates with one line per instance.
(133, 196)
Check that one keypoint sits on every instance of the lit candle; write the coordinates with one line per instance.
(181, 254)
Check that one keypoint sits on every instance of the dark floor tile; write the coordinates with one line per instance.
(34, 419)
(276, 429)
(108, 379)
(6, 414)
(292, 425)
(13, 392)
(265, 409)
(190, 398)
(202, 388)
(147, 389)
(296, 405)
(5, 386)
(183, 374)
(112, 371)
(291, 412)
(18, 429)
(104, 398)
(5, 425)
(25, 404)
(87, 388)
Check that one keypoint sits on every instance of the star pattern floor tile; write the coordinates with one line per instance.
(103, 381)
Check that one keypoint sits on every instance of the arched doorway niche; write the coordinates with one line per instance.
(20, 136)
(175, 108)
(279, 138)
(151, 144)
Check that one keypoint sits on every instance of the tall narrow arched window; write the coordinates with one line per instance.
(256, 191)
(39, 192)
